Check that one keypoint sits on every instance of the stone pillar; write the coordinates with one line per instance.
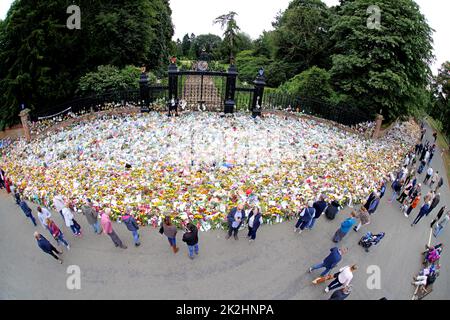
(144, 91)
(378, 122)
(25, 118)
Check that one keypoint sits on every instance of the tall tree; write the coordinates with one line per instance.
(228, 23)
(301, 36)
(41, 60)
(385, 67)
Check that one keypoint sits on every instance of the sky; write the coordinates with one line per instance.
(254, 16)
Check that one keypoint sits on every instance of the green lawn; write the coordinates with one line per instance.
(442, 143)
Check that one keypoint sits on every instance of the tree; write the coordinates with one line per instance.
(110, 78)
(440, 108)
(248, 64)
(208, 42)
(41, 60)
(228, 23)
(264, 45)
(301, 36)
(186, 45)
(385, 68)
(313, 83)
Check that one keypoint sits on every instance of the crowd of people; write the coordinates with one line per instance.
(39, 173)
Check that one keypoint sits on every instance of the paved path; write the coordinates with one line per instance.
(274, 267)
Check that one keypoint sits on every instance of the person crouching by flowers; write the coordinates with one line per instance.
(254, 222)
(170, 231)
(191, 239)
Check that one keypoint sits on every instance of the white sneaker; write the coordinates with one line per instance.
(68, 247)
(406, 215)
(295, 230)
(300, 232)
(327, 290)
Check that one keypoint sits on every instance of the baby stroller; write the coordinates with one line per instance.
(370, 239)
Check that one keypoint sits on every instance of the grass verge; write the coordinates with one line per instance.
(443, 144)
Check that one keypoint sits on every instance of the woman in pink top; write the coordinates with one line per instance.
(108, 229)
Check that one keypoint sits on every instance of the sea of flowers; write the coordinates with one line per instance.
(199, 165)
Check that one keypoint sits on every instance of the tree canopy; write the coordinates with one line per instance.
(41, 60)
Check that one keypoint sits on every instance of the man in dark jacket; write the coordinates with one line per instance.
(234, 219)
(422, 213)
(26, 209)
(132, 226)
(369, 200)
(320, 206)
(332, 210)
(305, 218)
(341, 294)
(374, 204)
(435, 202)
(330, 261)
(47, 247)
(191, 239)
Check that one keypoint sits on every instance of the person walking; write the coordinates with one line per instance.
(91, 216)
(2, 179)
(434, 178)
(305, 218)
(170, 231)
(47, 247)
(374, 204)
(341, 294)
(370, 199)
(43, 215)
(438, 216)
(428, 175)
(59, 204)
(234, 219)
(254, 222)
(424, 210)
(332, 210)
(345, 228)
(191, 240)
(396, 188)
(435, 202)
(27, 211)
(56, 233)
(414, 203)
(364, 219)
(330, 261)
(439, 184)
(405, 193)
(132, 226)
(441, 225)
(106, 223)
(382, 190)
(342, 278)
(319, 206)
(69, 219)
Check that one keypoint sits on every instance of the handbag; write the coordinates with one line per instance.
(322, 279)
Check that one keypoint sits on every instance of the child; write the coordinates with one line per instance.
(405, 205)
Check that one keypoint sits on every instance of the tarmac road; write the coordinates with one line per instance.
(274, 267)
